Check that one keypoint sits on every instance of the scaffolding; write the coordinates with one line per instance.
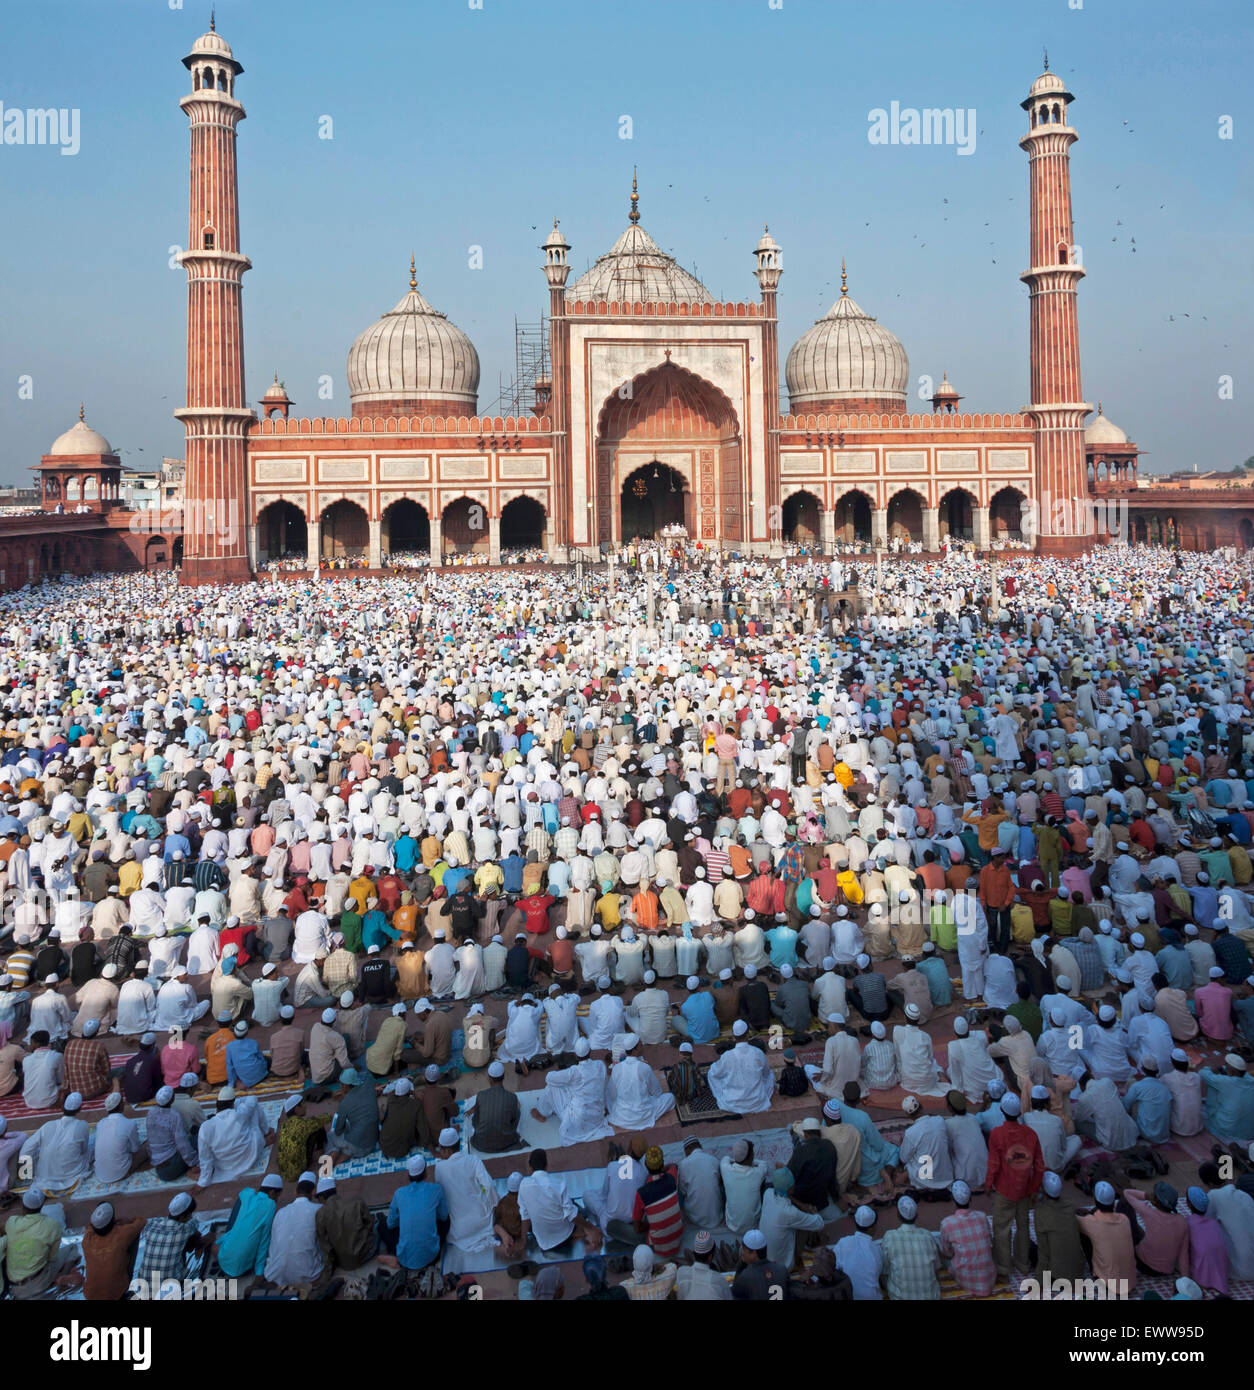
(531, 366)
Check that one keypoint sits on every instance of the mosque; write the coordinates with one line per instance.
(658, 411)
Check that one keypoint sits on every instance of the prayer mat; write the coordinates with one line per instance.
(15, 1108)
(700, 1108)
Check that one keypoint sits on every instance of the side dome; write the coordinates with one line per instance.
(847, 363)
(413, 361)
(80, 438)
(1104, 431)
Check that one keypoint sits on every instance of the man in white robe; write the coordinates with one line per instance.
(636, 1099)
(231, 1143)
(470, 971)
(842, 1061)
(164, 952)
(203, 953)
(1099, 1114)
(561, 1020)
(61, 1150)
(999, 982)
(605, 1019)
(576, 1095)
(968, 1149)
(471, 1197)
(972, 926)
(916, 1061)
(742, 1081)
(522, 1031)
(969, 1066)
(177, 1006)
(925, 1149)
(137, 1008)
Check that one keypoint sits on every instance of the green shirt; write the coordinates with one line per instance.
(350, 926)
(32, 1239)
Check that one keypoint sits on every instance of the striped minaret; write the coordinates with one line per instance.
(1058, 407)
(215, 534)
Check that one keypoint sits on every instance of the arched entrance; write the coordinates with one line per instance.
(406, 529)
(653, 498)
(1006, 515)
(465, 527)
(524, 525)
(801, 518)
(957, 515)
(852, 519)
(281, 532)
(670, 413)
(176, 555)
(154, 553)
(905, 516)
(1245, 533)
(345, 531)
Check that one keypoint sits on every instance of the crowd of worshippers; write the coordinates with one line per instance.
(364, 852)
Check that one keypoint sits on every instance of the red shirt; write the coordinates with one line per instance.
(1015, 1162)
(535, 910)
(997, 888)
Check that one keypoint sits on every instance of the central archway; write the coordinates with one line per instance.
(801, 518)
(406, 528)
(957, 515)
(465, 527)
(281, 532)
(669, 418)
(653, 498)
(523, 525)
(852, 521)
(905, 516)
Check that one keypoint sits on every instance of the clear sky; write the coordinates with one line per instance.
(456, 127)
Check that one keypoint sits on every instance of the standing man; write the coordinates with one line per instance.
(1015, 1169)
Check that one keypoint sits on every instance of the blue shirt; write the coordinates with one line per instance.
(375, 930)
(698, 1012)
(939, 986)
(415, 1210)
(1174, 962)
(877, 1152)
(246, 1242)
(512, 869)
(245, 1062)
(1153, 1109)
(405, 852)
(1229, 1105)
(783, 943)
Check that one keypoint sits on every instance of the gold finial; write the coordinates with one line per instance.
(413, 273)
(1047, 60)
(635, 199)
(555, 224)
(80, 412)
(213, 21)
(844, 280)
(1099, 408)
(766, 228)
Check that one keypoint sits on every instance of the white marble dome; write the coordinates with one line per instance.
(847, 355)
(80, 438)
(1104, 431)
(636, 269)
(414, 352)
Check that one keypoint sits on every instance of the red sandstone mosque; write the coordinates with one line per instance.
(659, 409)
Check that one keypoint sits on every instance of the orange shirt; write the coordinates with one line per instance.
(215, 1056)
(645, 907)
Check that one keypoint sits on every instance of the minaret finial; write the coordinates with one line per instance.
(1047, 60)
(635, 198)
(844, 280)
(1100, 411)
(81, 416)
(213, 20)
(413, 273)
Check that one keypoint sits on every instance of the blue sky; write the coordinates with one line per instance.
(457, 127)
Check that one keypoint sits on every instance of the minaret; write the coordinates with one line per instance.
(215, 533)
(769, 268)
(556, 269)
(1058, 407)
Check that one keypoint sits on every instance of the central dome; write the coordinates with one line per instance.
(413, 361)
(636, 270)
(847, 362)
(80, 439)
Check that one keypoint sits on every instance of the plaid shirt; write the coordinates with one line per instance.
(339, 971)
(86, 1067)
(910, 1263)
(538, 839)
(566, 842)
(164, 1253)
(966, 1241)
(792, 865)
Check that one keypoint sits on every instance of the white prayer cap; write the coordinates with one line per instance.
(1104, 1194)
(110, 971)
(328, 1015)
(907, 1208)
(863, 961)
(878, 1030)
(1064, 983)
(785, 971)
(740, 1028)
(750, 971)
(496, 1070)
(912, 1012)
(189, 1078)
(226, 1093)
(582, 1047)
(961, 1026)
(416, 1166)
(180, 1203)
(864, 1217)
(73, 1102)
(449, 1138)
(753, 1240)
(1052, 1184)
(835, 1018)
(692, 982)
(113, 1101)
(432, 1073)
(91, 1028)
(649, 977)
(1058, 1018)
(404, 1086)
(33, 1198)
(1137, 940)
(287, 1011)
(960, 1192)
(725, 973)
(101, 1217)
(1216, 972)
(325, 1185)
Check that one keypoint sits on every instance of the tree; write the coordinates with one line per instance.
(1248, 465)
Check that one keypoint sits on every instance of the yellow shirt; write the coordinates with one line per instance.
(130, 876)
(607, 910)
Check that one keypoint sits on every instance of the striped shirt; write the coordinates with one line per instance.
(657, 1205)
(966, 1241)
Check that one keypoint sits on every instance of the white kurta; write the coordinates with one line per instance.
(742, 1081)
(471, 1196)
(561, 1023)
(137, 1009)
(522, 1033)
(176, 1006)
(916, 1061)
(635, 1096)
(576, 1095)
(968, 1150)
(969, 1065)
(232, 1143)
(606, 1018)
(470, 973)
